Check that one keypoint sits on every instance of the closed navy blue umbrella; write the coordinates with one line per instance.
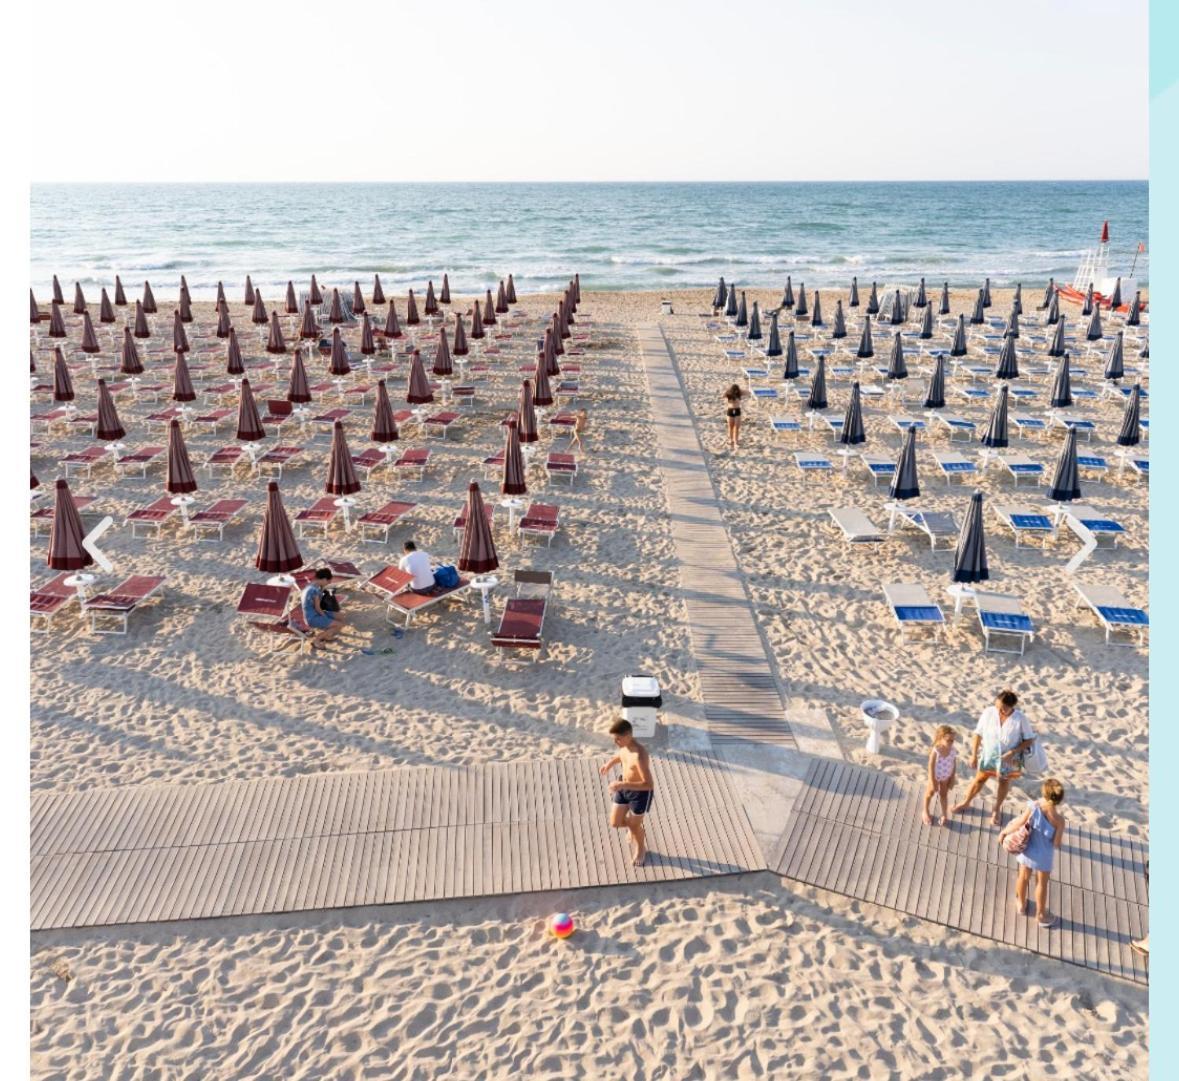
(1008, 362)
(1115, 299)
(1012, 327)
(986, 293)
(944, 307)
(1115, 359)
(839, 328)
(852, 432)
(817, 312)
(788, 294)
(1134, 319)
(978, 316)
(718, 298)
(818, 395)
(904, 479)
(1056, 346)
(935, 393)
(1062, 391)
(996, 431)
(1017, 300)
(774, 346)
(1053, 310)
(800, 303)
(926, 331)
(1094, 332)
(1049, 293)
(958, 346)
(753, 334)
(1066, 481)
(873, 301)
(970, 560)
(865, 349)
(742, 312)
(1087, 307)
(896, 359)
(1130, 433)
(731, 303)
(898, 311)
(853, 299)
(791, 370)
(921, 301)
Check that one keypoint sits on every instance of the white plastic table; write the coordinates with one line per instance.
(79, 582)
(346, 503)
(485, 583)
(183, 502)
(281, 580)
(513, 507)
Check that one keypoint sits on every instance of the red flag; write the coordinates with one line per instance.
(1141, 246)
(1105, 233)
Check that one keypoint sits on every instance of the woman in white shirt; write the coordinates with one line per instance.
(1002, 735)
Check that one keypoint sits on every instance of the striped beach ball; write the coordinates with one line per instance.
(561, 925)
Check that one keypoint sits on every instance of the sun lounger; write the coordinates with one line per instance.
(903, 424)
(855, 525)
(138, 461)
(561, 465)
(415, 460)
(1027, 425)
(227, 458)
(522, 624)
(1136, 463)
(764, 394)
(463, 396)
(460, 523)
(562, 420)
(216, 516)
(214, 419)
(934, 524)
(265, 608)
(1002, 616)
(393, 585)
(54, 417)
(369, 459)
(1103, 527)
(84, 461)
(322, 512)
(810, 462)
(785, 424)
(118, 603)
(375, 525)
(493, 466)
(912, 607)
(163, 419)
(153, 516)
(951, 464)
(45, 514)
(1111, 608)
(1020, 466)
(440, 422)
(974, 394)
(276, 459)
(540, 521)
(1025, 521)
(879, 468)
(358, 393)
(1084, 428)
(343, 572)
(49, 598)
(327, 420)
(959, 427)
(833, 421)
(279, 412)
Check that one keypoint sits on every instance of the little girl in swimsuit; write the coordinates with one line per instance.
(943, 768)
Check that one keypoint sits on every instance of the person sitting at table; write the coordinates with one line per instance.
(417, 564)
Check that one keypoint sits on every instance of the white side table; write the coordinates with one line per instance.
(183, 502)
(346, 503)
(513, 506)
(281, 580)
(80, 581)
(485, 583)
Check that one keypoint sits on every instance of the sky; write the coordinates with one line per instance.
(756, 90)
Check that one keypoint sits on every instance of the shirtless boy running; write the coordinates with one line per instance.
(633, 794)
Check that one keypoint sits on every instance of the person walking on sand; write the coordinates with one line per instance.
(1003, 734)
(631, 797)
(1045, 830)
(943, 772)
(733, 414)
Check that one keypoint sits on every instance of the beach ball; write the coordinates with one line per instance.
(561, 925)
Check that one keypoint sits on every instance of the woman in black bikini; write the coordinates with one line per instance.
(733, 413)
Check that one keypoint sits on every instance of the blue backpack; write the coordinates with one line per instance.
(446, 576)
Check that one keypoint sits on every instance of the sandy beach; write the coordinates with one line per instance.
(747, 976)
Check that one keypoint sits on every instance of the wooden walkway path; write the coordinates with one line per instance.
(858, 832)
(149, 853)
(742, 700)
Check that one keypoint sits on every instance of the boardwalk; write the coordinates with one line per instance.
(742, 700)
(858, 832)
(149, 853)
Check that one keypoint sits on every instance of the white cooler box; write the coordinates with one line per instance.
(641, 703)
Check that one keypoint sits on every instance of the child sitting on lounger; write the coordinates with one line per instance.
(943, 771)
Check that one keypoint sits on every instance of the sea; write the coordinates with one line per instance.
(654, 236)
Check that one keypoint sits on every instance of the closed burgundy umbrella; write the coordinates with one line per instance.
(120, 293)
(477, 330)
(314, 294)
(339, 365)
(444, 295)
(558, 346)
(552, 346)
(542, 395)
(392, 327)
(185, 295)
(526, 414)
(181, 478)
(477, 551)
(431, 306)
(292, 299)
(378, 292)
(233, 355)
(511, 293)
(56, 322)
(307, 325)
(179, 337)
(298, 391)
(220, 293)
(384, 424)
(224, 326)
(63, 385)
(109, 426)
(34, 311)
(357, 299)
(275, 343)
(130, 363)
(185, 307)
(258, 316)
(461, 348)
(106, 310)
(411, 311)
(278, 551)
(149, 300)
(577, 288)
(501, 299)
(57, 297)
(442, 365)
(79, 299)
(33, 481)
(489, 311)
(89, 338)
(182, 388)
(563, 321)
(341, 474)
(249, 423)
(418, 392)
(512, 482)
(367, 345)
(248, 298)
(65, 540)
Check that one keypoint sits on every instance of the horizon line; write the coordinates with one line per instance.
(832, 180)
